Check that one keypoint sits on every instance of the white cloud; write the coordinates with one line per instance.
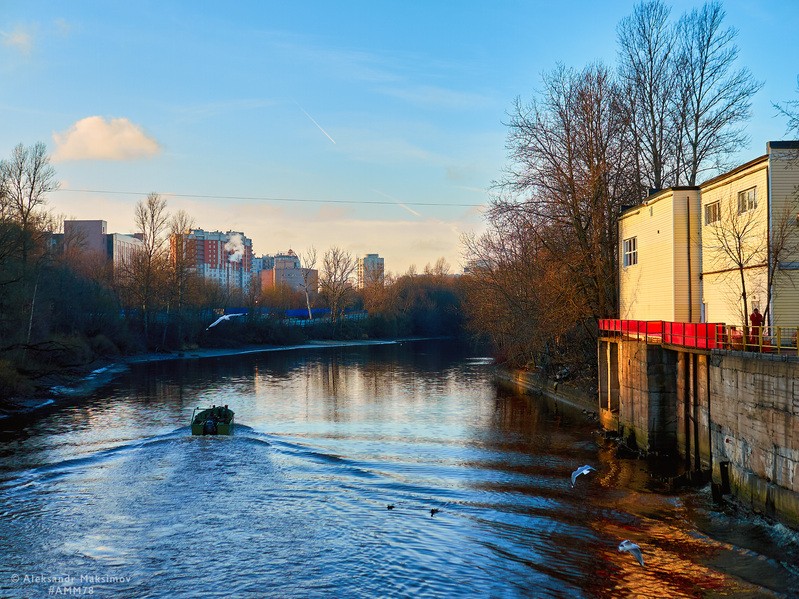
(18, 39)
(95, 138)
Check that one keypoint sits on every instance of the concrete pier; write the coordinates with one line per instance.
(731, 415)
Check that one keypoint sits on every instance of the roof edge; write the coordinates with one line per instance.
(782, 145)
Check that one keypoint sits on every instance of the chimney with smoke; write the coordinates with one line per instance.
(235, 247)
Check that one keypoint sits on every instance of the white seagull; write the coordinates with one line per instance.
(221, 318)
(634, 549)
(581, 470)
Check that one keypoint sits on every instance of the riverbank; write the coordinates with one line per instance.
(103, 372)
(524, 381)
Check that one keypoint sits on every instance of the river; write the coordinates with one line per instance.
(330, 485)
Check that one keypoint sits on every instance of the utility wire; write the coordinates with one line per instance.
(267, 199)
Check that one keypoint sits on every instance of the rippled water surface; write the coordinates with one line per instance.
(113, 497)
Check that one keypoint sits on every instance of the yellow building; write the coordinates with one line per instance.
(659, 258)
(689, 254)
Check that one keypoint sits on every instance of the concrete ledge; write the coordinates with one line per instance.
(765, 497)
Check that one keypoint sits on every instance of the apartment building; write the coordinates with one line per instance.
(370, 270)
(225, 258)
(286, 269)
(90, 240)
(690, 254)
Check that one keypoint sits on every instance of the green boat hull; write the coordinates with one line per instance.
(221, 429)
(221, 421)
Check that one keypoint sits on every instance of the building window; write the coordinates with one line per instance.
(712, 213)
(631, 251)
(747, 200)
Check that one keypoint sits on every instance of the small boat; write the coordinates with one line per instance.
(216, 420)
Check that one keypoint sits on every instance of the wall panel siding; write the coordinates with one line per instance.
(683, 274)
(647, 288)
(686, 233)
(784, 173)
(721, 280)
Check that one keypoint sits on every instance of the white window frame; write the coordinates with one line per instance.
(747, 200)
(712, 212)
(630, 251)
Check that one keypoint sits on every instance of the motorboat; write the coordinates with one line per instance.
(216, 420)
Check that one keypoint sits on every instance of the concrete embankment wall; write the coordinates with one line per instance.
(754, 403)
(732, 415)
(645, 409)
(523, 381)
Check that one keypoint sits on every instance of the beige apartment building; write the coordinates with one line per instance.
(286, 270)
(370, 270)
(687, 254)
(96, 247)
(659, 258)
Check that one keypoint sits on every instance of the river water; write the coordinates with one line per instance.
(112, 497)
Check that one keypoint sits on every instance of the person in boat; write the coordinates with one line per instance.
(209, 427)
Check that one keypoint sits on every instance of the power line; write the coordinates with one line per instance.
(268, 199)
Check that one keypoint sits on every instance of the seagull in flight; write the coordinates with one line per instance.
(634, 549)
(221, 318)
(581, 470)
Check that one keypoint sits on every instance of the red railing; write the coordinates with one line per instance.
(781, 340)
(702, 335)
(641, 330)
(685, 334)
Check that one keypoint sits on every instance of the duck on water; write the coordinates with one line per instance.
(216, 420)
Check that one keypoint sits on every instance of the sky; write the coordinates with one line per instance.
(376, 126)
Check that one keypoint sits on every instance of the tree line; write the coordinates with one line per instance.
(62, 306)
(670, 112)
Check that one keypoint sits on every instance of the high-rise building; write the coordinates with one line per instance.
(370, 270)
(222, 257)
(286, 269)
(260, 263)
(90, 240)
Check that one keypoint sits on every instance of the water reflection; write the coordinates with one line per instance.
(294, 504)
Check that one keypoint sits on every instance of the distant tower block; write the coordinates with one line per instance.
(222, 257)
(370, 270)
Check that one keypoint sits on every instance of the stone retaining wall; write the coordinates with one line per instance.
(754, 402)
(731, 414)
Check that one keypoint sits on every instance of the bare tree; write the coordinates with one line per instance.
(379, 292)
(783, 244)
(516, 294)
(737, 245)
(183, 260)
(152, 220)
(647, 69)
(571, 172)
(25, 180)
(714, 99)
(439, 269)
(149, 264)
(790, 109)
(335, 282)
(310, 276)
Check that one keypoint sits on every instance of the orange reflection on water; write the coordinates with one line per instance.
(673, 558)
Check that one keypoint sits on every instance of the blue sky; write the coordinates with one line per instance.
(391, 113)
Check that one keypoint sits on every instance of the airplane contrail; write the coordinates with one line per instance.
(400, 204)
(315, 123)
